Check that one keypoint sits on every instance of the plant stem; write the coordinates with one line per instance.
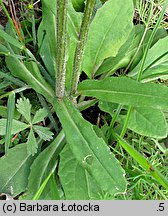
(61, 47)
(81, 44)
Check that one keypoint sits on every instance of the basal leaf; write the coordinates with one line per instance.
(126, 91)
(39, 116)
(24, 107)
(109, 30)
(76, 181)
(43, 132)
(43, 165)
(90, 151)
(14, 169)
(31, 143)
(32, 77)
(17, 126)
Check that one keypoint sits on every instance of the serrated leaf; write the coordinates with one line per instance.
(126, 91)
(44, 163)
(106, 36)
(39, 116)
(43, 132)
(91, 152)
(14, 169)
(31, 143)
(17, 126)
(76, 181)
(24, 107)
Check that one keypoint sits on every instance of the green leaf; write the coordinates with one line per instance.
(31, 143)
(122, 58)
(74, 22)
(142, 161)
(39, 116)
(32, 77)
(90, 151)
(17, 126)
(156, 63)
(47, 35)
(106, 36)
(10, 114)
(143, 120)
(44, 163)
(14, 169)
(24, 107)
(126, 91)
(10, 39)
(148, 122)
(76, 181)
(43, 132)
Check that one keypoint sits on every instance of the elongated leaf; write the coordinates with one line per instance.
(126, 91)
(76, 181)
(143, 161)
(43, 165)
(24, 107)
(43, 132)
(143, 120)
(32, 77)
(47, 35)
(17, 126)
(10, 114)
(156, 62)
(90, 151)
(39, 116)
(14, 169)
(106, 35)
(10, 39)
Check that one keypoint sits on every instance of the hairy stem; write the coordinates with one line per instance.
(61, 47)
(81, 44)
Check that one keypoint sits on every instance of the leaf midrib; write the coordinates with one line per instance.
(85, 140)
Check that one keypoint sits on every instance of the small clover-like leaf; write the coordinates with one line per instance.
(31, 143)
(43, 132)
(39, 116)
(24, 107)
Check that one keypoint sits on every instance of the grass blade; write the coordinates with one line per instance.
(142, 161)
(10, 114)
(41, 189)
